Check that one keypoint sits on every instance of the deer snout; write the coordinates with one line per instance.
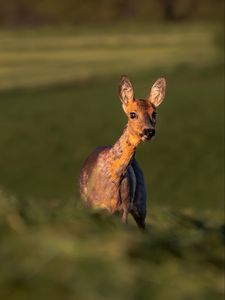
(148, 133)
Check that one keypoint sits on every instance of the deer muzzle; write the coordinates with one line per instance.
(148, 133)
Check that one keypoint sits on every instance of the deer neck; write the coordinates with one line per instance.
(122, 153)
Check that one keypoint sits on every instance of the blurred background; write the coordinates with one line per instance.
(60, 64)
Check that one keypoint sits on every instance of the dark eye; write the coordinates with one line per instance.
(153, 118)
(133, 115)
(154, 114)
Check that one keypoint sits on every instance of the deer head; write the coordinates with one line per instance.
(141, 113)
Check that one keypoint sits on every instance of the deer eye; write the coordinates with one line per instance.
(133, 115)
(153, 115)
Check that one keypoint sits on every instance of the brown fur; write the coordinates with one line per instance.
(111, 178)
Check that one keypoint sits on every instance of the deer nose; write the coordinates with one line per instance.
(149, 132)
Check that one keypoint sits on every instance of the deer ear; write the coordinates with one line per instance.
(126, 91)
(157, 92)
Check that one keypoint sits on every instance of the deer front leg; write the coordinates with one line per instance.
(124, 200)
(140, 221)
(124, 217)
(126, 193)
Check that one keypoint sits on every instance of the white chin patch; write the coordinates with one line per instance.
(145, 139)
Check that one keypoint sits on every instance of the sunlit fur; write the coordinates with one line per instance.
(111, 178)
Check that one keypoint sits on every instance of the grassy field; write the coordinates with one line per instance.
(50, 56)
(58, 101)
(57, 250)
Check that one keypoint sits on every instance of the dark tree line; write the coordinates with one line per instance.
(16, 12)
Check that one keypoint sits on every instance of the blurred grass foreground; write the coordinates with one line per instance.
(58, 91)
(58, 250)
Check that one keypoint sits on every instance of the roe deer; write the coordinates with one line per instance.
(111, 178)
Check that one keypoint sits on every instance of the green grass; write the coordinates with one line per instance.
(58, 101)
(46, 135)
(58, 250)
(43, 57)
